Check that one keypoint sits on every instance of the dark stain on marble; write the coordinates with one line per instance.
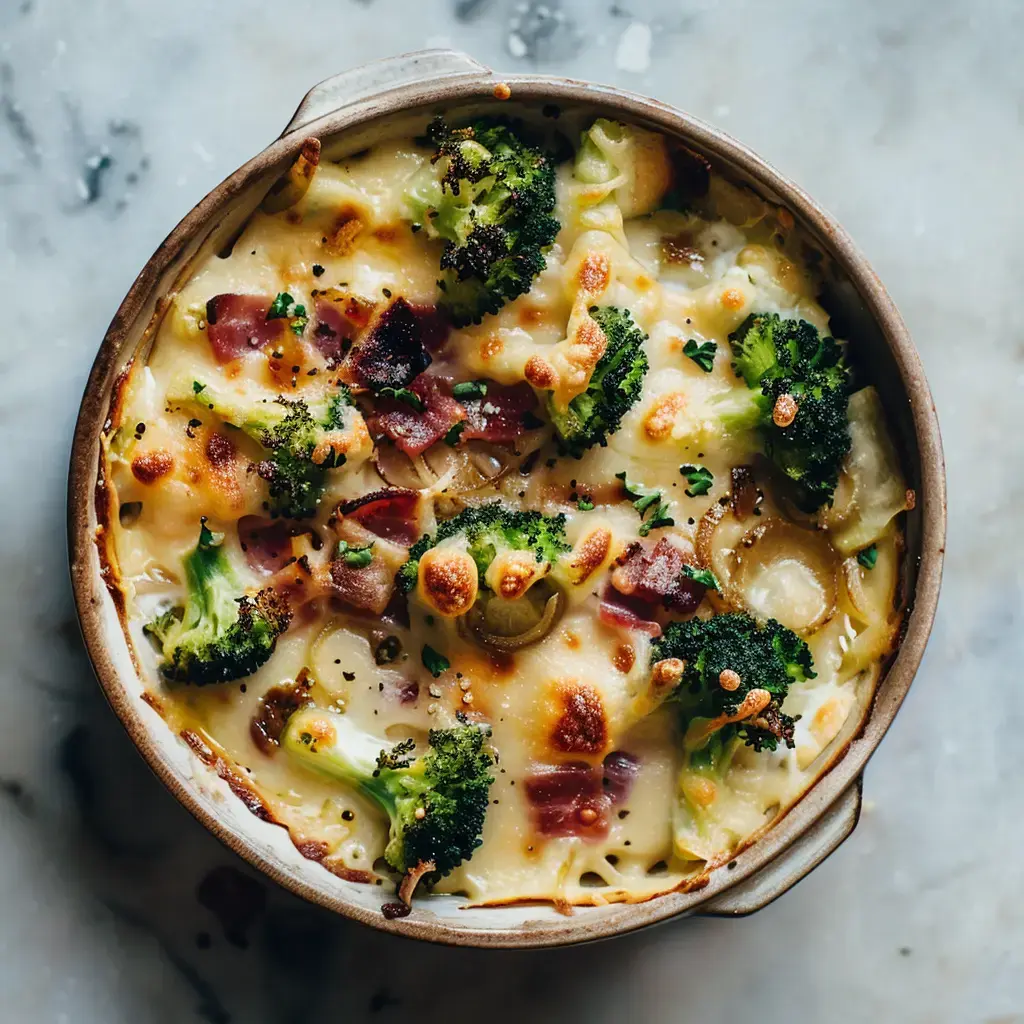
(299, 940)
(467, 10)
(210, 1007)
(15, 119)
(110, 163)
(540, 31)
(14, 791)
(235, 899)
(382, 999)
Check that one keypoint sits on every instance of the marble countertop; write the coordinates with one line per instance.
(905, 119)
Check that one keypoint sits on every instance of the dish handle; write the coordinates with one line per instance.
(794, 863)
(361, 82)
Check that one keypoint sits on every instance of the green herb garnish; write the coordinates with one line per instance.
(470, 389)
(410, 398)
(699, 479)
(355, 557)
(703, 576)
(868, 557)
(434, 662)
(647, 500)
(703, 354)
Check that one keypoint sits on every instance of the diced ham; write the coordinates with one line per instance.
(568, 800)
(393, 353)
(655, 576)
(238, 324)
(266, 542)
(392, 513)
(414, 432)
(498, 416)
(620, 771)
(333, 329)
(365, 588)
(627, 613)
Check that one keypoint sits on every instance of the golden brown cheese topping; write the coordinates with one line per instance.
(510, 529)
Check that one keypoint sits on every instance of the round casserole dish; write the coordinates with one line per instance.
(348, 113)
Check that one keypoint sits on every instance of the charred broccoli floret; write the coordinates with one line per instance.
(436, 803)
(489, 530)
(799, 390)
(300, 453)
(490, 197)
(298, 436)
(731, 665)
(614, 387)
(218, 635)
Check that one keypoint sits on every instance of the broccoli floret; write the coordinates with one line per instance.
(300, 454)
(218, 635)
(489, 196)
(614, 387)
(766, 657)
(733, 676)
(489, 529)
(787, 362)
(436, 803)
(296, 435)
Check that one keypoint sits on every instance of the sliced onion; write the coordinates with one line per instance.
(482, 631)
(776, 564)
(397, 468)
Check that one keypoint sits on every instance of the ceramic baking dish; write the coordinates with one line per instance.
(387, 99)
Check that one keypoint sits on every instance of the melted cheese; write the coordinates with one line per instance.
(583, 691)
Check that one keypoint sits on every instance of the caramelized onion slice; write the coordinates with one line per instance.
(508, 626)
(871, 593)
(787, 573)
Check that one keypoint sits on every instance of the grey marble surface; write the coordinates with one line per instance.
(905, 119)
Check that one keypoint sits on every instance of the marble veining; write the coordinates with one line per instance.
(905, 119)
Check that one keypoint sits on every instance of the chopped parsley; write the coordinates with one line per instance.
(285, 307)
(647, 500)
(585, 504)
(299, 320)
(868, 557)
(355, 557)
(699, 479)
(434, 662)
(197, 387)
(703, 354)
(410, 398)
(280, 306)
(703, 576)
(470, 389)
(454, 433)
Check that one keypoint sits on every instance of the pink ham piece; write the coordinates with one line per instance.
(498, 416)
(267, 543)
(620, 771)
(414, 432)
(333, 331)
(627, 613)
(365, 588)
(568, 800)
(655, 576)
(238, 324)
(393, 352)
(392, 513)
